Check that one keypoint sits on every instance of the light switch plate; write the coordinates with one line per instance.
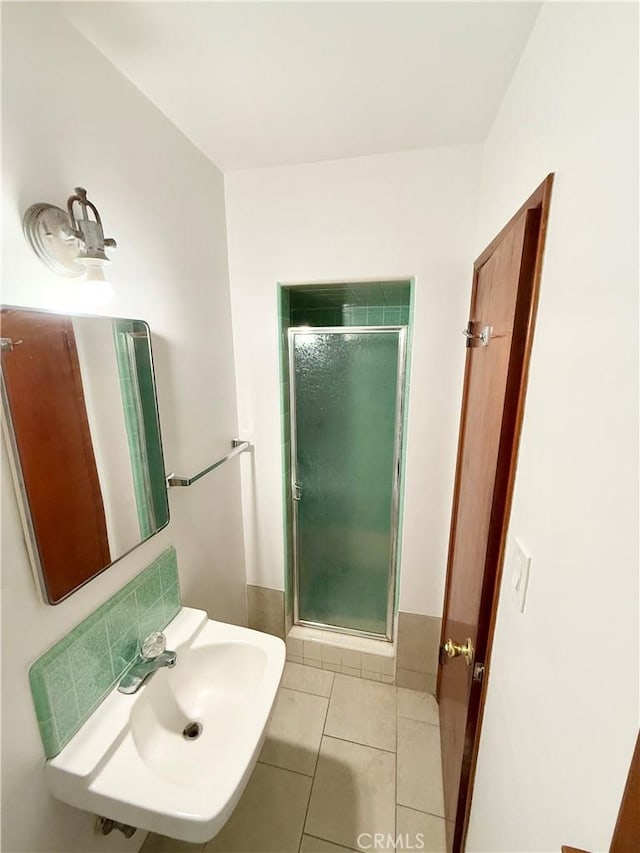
(520, 568)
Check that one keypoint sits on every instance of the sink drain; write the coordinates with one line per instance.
(192, 731)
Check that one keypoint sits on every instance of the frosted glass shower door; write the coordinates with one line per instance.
(346, 388)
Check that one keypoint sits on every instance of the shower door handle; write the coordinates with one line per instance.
(296, 489)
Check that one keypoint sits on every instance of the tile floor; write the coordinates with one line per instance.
(344, 758)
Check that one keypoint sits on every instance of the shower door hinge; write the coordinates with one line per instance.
(479, 338)
(296, 491)
(478, 672)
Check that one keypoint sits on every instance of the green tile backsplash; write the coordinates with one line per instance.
(70, 680)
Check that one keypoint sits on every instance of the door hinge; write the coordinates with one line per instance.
(478, 672)
(296, 491)
(477, 339)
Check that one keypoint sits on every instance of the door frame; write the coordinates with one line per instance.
(536, 206)
(397, 469)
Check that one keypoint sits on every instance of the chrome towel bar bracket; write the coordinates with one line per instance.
(237, 447)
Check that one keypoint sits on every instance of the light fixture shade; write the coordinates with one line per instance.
(94, 270)
(100, 293)
(98, 290)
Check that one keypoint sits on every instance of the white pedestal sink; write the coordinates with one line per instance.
(175, 757)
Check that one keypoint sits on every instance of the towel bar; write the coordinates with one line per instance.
(237, 447)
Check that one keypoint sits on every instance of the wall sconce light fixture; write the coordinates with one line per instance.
(70, 242)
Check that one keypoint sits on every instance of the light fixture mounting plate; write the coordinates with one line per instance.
(47, 230)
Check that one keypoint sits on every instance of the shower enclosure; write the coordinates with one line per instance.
(346, 399)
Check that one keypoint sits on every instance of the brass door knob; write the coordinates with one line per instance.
(454, 650)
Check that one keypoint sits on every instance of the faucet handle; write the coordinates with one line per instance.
(153, 645)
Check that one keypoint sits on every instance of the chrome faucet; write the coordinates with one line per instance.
(153, 655)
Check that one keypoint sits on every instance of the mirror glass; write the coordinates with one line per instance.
(82, 427)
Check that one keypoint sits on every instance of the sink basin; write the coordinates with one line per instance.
(175, 757)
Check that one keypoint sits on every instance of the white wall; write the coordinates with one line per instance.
(70, 118)
(381, 217)
(562, 711)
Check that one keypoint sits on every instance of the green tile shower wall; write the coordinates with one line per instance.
(371, 304)
(70, 680)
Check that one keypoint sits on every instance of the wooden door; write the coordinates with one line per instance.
(44, 390)
(503, 303)
(626, 835)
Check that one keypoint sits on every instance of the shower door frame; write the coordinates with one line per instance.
(396, 481)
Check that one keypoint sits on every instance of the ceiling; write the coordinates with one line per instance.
(257, 84)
